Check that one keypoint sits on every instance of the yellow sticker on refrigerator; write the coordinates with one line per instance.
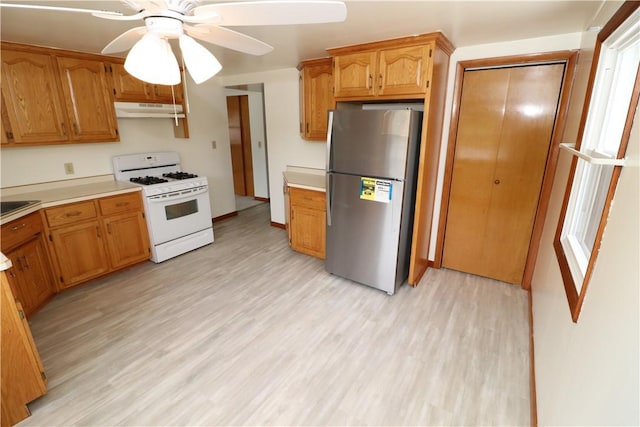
(377, 190)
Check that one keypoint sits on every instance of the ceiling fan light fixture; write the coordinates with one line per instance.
(151, 60)
(201, 63)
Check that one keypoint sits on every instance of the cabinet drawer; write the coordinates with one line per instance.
(120, 203)
(307, 198)
(68, 214)
(16, 232)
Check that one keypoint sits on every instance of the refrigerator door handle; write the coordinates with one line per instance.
(329, 166)
(329, 194)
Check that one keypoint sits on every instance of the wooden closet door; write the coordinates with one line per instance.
(504, 132)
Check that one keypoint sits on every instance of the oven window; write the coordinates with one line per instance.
(181, 209)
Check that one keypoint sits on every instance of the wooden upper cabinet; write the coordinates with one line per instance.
(30, 91)
(316, 91)
(403, 71)
(126, 87)
(354, 74)
(391, 69)
(129, 88)
(88, 101)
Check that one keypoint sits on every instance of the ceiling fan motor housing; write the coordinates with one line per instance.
(166, 27)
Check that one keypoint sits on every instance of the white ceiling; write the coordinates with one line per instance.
(463, 22)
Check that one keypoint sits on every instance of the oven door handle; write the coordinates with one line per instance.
(178, 195)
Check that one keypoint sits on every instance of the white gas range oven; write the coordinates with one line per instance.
(176, 203)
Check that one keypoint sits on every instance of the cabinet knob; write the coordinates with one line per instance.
(380, 81)
(496, 182)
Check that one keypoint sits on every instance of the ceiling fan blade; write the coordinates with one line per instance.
(61, 9)
(135, 17)
(276, 12)
(228, 38)
(124, 41)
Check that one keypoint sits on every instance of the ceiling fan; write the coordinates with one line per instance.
(151, 59)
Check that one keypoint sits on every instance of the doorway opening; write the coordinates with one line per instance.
(249, 154)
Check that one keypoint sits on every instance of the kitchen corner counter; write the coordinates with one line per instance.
(63, 195)
(307, 178)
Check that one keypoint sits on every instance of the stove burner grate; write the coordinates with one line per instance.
(179, 175)
(148, 180)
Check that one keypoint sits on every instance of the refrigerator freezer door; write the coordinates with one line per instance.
(363, 238)
(373, 142)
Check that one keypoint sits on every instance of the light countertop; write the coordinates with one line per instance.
(307, 178)
(70, 194)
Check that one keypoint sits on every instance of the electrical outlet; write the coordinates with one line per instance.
(213, 144)
(68, 168)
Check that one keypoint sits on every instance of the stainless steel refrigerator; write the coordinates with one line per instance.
(372, 161)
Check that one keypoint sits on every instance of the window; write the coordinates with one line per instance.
(606, 123)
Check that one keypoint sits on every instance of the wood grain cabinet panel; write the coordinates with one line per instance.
(316, 92)
(80, 252)
(23, 378)
(128, 88)
(34, 105)
(88, 100)
(403, 71)
(30, 276)
(307, 221)
(126, 238)
(95, 237)
(354, 74)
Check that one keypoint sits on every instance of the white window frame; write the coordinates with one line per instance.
(602, 144)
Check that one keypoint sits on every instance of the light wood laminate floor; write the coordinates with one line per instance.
(247, 332)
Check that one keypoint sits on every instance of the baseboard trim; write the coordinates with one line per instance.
(278, 225)
(261, 199)
(225, 216)
(532, 367)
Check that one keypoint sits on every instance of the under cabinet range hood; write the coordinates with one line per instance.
(148, 110)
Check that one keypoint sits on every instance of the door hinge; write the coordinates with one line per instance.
(21, 314)
(43, 375)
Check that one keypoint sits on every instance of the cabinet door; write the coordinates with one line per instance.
(318, 100)
(354, 74)
(308, 221)
(88, 99)
(80, 252)
(308, 231)
(31, 275)
(22, 378)
(128, 88)
(127, 238)
(168, 94)
(403, 71)
(30, 89)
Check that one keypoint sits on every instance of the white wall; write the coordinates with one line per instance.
(587, 372)
(284, 144)
(207, 122)
(258, 140)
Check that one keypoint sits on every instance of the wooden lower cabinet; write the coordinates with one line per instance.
(126, 243)
(23, 378)
(80, 252)
(92, 238)
(307, 221)
(30, 276)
